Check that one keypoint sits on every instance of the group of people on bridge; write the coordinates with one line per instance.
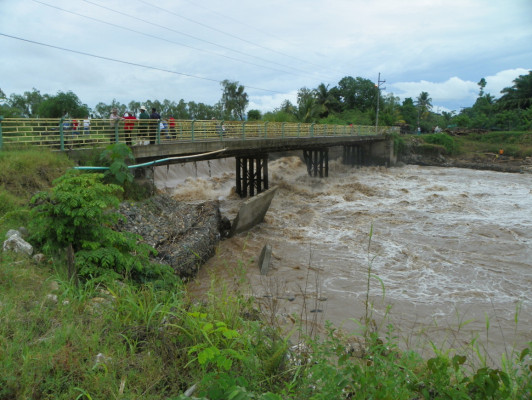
(152, 122)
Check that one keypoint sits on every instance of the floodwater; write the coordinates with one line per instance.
(448, 251)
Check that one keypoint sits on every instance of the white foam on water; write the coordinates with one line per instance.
(445, 242)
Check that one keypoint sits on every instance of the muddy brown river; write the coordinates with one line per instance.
(449, 250)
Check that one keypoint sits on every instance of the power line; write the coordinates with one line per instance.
(161, 38)
(226, 33)
(191, 36)
(127, 62)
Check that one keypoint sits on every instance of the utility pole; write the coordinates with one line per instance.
(378, 86)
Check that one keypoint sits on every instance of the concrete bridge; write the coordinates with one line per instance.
(250, 143)
(251, 155)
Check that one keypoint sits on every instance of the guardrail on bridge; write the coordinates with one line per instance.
(72, 133)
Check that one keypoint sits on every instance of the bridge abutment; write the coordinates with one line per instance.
(373, 153)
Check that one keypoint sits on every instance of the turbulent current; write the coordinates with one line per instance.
(448, 250)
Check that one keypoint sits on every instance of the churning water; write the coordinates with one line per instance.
(448, 248)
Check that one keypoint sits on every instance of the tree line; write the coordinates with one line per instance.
(351, 101)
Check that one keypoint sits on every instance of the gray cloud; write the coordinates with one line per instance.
(442, 48)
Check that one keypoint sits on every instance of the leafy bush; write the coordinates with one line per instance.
(442, 139)
(115, 156)
(76, 217)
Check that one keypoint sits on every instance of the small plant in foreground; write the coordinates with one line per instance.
(115, 156)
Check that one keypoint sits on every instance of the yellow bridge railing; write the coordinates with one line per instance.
(61, 134)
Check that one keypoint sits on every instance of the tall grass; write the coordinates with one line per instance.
(121, 340)
(23, 173)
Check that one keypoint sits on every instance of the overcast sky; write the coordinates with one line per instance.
(183, 49)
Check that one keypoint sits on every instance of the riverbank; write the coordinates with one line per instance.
(120, 339)
(417, 152)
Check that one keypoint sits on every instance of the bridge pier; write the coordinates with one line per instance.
(251, 175)
(317, 162)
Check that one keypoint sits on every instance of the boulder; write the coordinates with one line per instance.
(15, 243)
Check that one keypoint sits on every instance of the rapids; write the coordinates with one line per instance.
(449, 250)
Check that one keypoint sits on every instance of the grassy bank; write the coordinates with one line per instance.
(119, 339)
(474, 145)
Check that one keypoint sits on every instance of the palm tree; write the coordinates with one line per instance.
(424, 105)
(324, 99)
(519, 95)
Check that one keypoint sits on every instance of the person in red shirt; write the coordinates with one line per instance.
(171, 126)
(128, 126)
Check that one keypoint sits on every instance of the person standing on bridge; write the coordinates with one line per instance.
(154, 124)
(171, 126)
(143, 125)
(114, 119)
(128, 127)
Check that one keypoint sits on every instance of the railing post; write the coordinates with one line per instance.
(298, 129)
(220, 130)
(1, 139)
(266, 129)
(61, 135)
(243, 130)
(192, 129)
(117, 139)
(282, 129)
(312, 129)
(158, 137)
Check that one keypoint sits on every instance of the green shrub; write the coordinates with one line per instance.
(115, 156)
(399, 144)
(442, 139)
(76, 218)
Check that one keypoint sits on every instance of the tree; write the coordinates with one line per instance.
(409, 112)
(234, 100)
(134, 106)
(61, 104)
(482, 85)
(307, 109)
(325, 101)
(254, 115)
(28, 103)
(5, 109)
(357, 93)
(103, 110)
(519, 95)
(287, 112)
(424, 105)
(390, 110)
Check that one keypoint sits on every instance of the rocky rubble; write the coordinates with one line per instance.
(184, 235)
